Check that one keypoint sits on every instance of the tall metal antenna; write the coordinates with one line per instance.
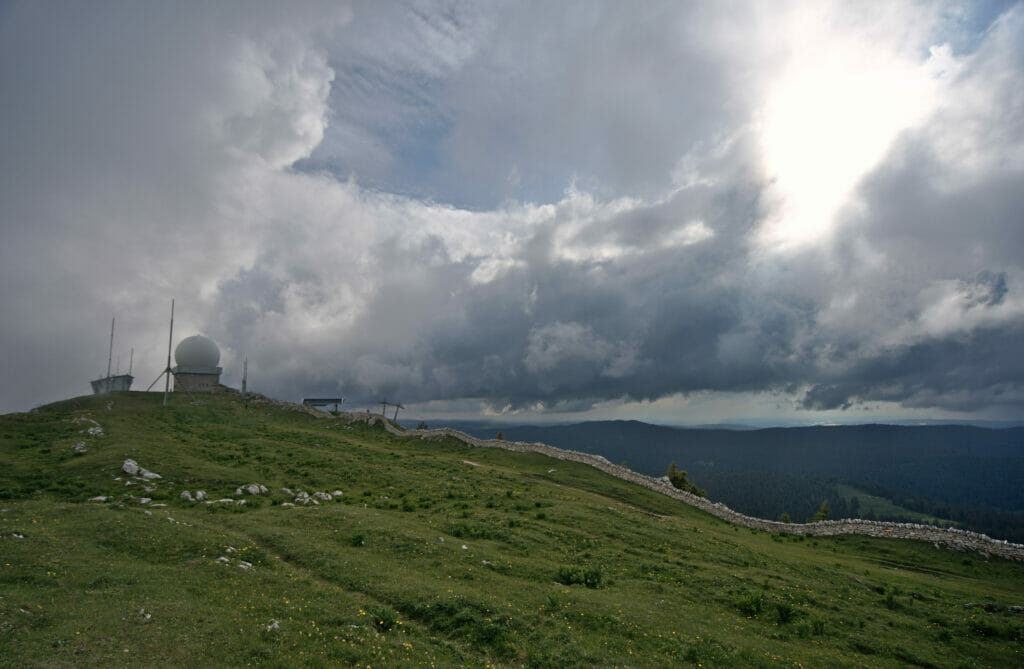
(168, 370)
(170, 340)
(111, 353)
(131, 359)
(245, 374)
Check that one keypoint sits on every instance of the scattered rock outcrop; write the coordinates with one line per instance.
(132, 468)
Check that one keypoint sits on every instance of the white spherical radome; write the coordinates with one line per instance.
(197, 351)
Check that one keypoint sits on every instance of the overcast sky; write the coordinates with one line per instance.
(684, 212)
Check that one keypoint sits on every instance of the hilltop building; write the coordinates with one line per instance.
(197, 371)
(110, 384)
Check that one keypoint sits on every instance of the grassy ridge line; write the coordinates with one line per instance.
(437, 554)
(949, 537)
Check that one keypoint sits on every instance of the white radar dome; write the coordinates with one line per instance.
(197, 351)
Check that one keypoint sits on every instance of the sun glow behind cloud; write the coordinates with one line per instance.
(836, 108)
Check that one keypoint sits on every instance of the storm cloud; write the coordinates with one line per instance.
(526, 208)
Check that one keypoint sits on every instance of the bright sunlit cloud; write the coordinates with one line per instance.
(830, 117)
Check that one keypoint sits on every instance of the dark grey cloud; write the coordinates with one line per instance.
(515, 206)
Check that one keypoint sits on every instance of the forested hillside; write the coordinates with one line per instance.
(968, 475)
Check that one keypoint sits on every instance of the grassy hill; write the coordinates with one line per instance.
(435, 554)
(964, 475)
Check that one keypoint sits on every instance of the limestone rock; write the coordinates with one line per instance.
(132, 468)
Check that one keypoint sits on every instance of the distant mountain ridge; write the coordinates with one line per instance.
(965, 473)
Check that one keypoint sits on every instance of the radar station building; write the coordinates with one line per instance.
(197, 371)
(109, 384)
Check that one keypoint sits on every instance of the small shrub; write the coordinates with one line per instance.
(704, 652)
(588, 576)
(750, 604)
(357, 539)
(785, 612)
(864, 646)
(679, 480)
(984, 628)
(383, 618)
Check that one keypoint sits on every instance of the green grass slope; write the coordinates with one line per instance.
(436, 554)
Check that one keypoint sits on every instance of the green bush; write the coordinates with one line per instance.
(679, 480)
(383, 618)
(785, 612)
(751, 604)
(588, 576)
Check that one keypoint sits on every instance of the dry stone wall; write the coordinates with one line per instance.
(940, 537)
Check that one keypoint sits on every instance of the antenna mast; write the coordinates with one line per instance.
(110, 355)
(245, 373)
(170, 340)
(131, 359)
(168, 370)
